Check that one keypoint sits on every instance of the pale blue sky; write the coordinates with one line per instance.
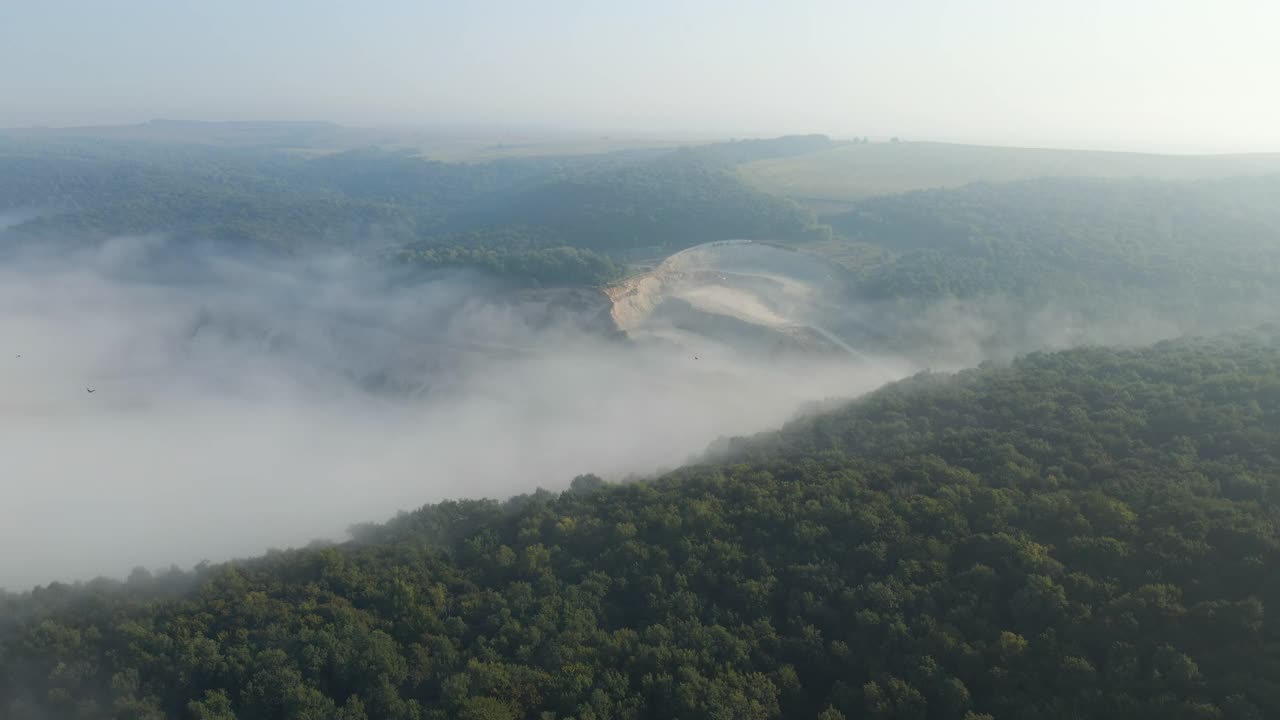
(1143, 74)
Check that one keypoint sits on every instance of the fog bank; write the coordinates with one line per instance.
(240, 404)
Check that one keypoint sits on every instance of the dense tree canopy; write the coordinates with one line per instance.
(508, 257)
(1171, 244)
(1182, 246)
(369, 200)
(674, 202)
(1093, 533)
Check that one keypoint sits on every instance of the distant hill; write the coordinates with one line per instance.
(373, 199)
(744, 151)
(226, 134)
(850, 171)
(1057, 261)
(1073, 238)
(446, 143)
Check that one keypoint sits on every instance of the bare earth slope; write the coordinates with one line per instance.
(753, 296)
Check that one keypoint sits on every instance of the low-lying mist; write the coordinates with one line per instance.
(240, 404)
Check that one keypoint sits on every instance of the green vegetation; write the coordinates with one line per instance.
(1013, 267)
(320, 138)
(737, 152)
(369, 200)
(1115, 240)
(1093, 533)
(1169, 245)
(541, 266)
(675, 202)
(852, 171)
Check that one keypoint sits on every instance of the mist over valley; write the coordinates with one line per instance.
(741, 361)
(253, 403)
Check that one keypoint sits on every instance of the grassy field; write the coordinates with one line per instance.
(848, 172)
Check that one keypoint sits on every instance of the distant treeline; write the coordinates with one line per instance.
(1017, 265)
(1068, 238)
(1087, 534)
(369, 200)
(1179, 247)
(539, 266)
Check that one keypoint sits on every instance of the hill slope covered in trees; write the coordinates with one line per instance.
(1093, 533)
(1116, 240)
(1056, 262)
(374, 200)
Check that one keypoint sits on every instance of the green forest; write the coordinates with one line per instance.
(511, 256)
(368, 200)
(1185, 247)
(1173, 243)
(1085, 534)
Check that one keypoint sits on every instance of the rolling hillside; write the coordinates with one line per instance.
(851, 171)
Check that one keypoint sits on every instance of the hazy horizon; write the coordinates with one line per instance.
(621, 137)
(1145, 76)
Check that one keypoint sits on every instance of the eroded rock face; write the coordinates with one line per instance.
(754, 297)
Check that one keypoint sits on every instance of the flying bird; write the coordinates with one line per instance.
(89, 389)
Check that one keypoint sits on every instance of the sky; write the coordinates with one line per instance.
(1171, 75)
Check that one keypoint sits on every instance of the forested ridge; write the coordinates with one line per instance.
(1086, 534)
(1181, 247)
(1177, 245)
(532, 211)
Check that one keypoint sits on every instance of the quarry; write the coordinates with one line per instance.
(734, 295)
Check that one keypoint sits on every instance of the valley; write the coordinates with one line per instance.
(977, 447)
